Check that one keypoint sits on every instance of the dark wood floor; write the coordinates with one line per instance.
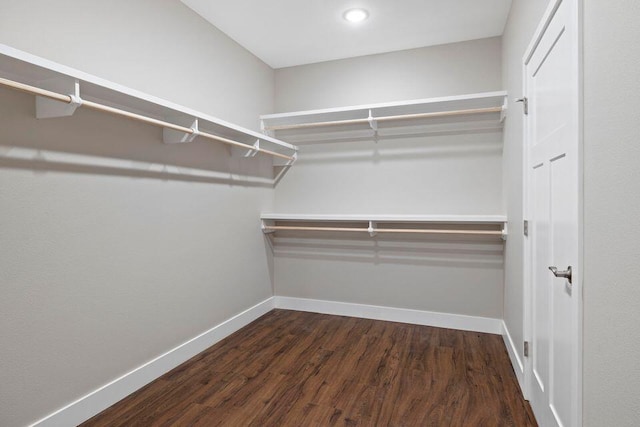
(291, 368)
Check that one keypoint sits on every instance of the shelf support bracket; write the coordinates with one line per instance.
(284, 163)
(48, 108)
(293, 160)
(505, 107)
(373, 123)
(372, 229)
(265, 224)
(256, 149)
(279, 169)
(505, 232)
(264, 130)
(170, 136)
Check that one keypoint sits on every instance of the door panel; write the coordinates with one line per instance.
(540, 240)
(552, 165)
(560, 305)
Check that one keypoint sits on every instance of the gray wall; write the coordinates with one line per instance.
(158, 47)
(521, 24)
(611, 212)
(107, 263)
(452, 69)
(443, 174)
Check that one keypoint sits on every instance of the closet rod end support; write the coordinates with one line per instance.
(372, 229)
(266, 227)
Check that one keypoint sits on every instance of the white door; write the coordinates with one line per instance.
(553, 198)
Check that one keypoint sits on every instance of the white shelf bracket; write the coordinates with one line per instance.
(170, 136)
(373, 123)
(48, 108)
(265, 224)
(292, 161)
(284, 163)
(372, 229)
(264, 130)
(281, 168)
(256, 149)
(505, 232)
(505, 107)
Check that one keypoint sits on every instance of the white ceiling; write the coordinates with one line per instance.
(284, 33)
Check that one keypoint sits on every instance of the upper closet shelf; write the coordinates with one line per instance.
(60, 90)
(478, 225)
(475, 112)
(462, 219)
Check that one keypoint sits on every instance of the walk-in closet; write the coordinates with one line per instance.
(319, 213)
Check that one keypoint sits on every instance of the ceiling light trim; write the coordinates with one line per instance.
(356, 15)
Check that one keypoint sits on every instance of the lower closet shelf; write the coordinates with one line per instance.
(459, 225)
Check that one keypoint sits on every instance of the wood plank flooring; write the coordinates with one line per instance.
(291, 368)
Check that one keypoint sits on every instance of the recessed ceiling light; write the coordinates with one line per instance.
(356, 15)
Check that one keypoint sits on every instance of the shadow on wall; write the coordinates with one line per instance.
(91, 142)
(451, 145)
(440, 251)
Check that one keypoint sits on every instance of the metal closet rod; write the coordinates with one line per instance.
(387, 118)
(139, 117)
(384, 230)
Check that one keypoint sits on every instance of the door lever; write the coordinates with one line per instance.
(562, 273)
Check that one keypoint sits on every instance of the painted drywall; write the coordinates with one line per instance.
(521, 24)
(446, 70)
(439, 174)
(611, 211)
(438, 275)
(435, 174)
(116, 247)
(157, 47)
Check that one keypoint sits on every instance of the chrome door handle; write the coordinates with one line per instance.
(562, 273)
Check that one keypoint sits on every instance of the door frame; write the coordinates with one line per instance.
(576, 14)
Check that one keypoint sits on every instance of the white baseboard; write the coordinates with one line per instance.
(392, 314)
(100, 399)
(516, 361)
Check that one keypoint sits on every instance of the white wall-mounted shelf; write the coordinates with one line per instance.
(481, 111)
(479, 225)
(60, 90)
